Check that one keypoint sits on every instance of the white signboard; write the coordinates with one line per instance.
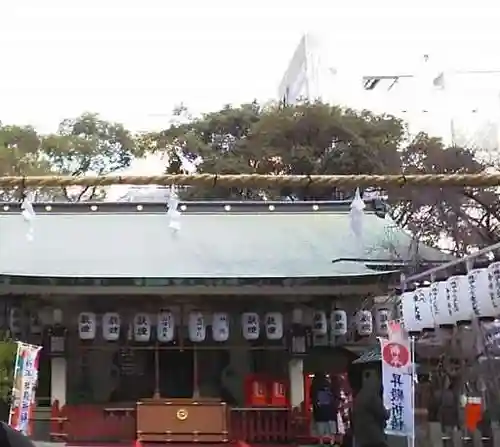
(397, 379)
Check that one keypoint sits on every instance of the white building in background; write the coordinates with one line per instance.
(460, 106)
(312, 74)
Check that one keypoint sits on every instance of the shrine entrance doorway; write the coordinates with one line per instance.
(176, 372)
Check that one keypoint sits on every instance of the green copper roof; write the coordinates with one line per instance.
(250, 240)
(371, 355)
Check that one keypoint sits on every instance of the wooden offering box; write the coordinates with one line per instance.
(182, 420)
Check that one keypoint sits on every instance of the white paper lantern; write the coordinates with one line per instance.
(382, 318)
(196, 327)
(410, 322)
(36, 326)
(86, 325)
(220, 326)
(111, 324)
(274, 325)
(15, 320)
(364, 323)
(441, 306)
(482, 293)
(165, 327)
(142, 327)
(338, 322)
(423, 308)
(494, 277)
(457, 288)
(319, 323)
(250, 323)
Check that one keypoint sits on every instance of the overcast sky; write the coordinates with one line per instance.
(134, 60)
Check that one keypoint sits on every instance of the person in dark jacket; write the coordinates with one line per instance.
(12, 438)
(369, 415)
(325, 401)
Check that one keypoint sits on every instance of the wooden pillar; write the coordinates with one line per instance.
(296, 378)
(157, 372)
(296, 364)
(58, 368)
(495, 433)
(196, 380)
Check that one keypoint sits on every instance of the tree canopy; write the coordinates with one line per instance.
(83, 145)
(316, 138)
(308, 138)
(8, 350)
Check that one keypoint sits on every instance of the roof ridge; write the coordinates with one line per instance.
(216, 206)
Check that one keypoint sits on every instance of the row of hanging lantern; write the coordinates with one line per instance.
(366, 323)
(272, 325)
(17, 320)
(164, 323)
(457, 300)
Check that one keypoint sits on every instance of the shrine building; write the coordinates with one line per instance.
(207, 333)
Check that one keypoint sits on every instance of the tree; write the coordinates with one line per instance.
(305, 139)
(7, 359)
(466, 217)
(88, 145)
(20, 155)
(83, 145)
(315, 138)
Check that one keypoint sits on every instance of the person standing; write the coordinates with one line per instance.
(369, 415)
(325, 402)
(13, 438)
(344, 425)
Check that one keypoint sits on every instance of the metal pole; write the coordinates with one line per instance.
(466, 259)
(413, 377)
(157, 372)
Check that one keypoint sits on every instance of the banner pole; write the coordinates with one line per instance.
(413, 379)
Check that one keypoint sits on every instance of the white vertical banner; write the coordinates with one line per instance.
(16, 390)
(24, 389)
(397, 380)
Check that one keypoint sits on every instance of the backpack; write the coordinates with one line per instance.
(324, 397)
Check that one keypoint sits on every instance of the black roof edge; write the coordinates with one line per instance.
(213, 207)
(22, 280)
(374, 263)
(391, 264)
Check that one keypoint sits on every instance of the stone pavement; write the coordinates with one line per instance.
(49, 444)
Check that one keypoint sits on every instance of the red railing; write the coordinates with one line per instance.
(100, 423)
(93, 423)
(261, 425)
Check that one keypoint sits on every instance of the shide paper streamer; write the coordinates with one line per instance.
(29, 216)
(356, 216)
(173, 212)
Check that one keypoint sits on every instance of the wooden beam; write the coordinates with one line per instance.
(286, 293)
